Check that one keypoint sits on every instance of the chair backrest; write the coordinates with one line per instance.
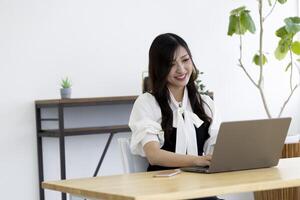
(146, 84)
(131, 163)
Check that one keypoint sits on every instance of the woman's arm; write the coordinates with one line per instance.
(157, 156)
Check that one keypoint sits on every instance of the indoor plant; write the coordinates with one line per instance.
(65, 91)
(201, 87)
(240, 22)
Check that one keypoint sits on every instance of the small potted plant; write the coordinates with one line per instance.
(65, 91)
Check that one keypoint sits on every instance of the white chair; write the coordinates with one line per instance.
(131, 163)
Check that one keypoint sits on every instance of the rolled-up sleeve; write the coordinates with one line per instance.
(144, 123)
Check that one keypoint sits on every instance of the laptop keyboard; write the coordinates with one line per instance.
(199, 169)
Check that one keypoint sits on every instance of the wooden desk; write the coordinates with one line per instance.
(142, 186)
(289, 151)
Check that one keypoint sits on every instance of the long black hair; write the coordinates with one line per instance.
(161, 55)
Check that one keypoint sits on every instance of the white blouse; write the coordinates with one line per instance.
(145, 124)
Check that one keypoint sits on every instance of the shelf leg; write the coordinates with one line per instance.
(40, 166)
(39, 151)
(62, 147)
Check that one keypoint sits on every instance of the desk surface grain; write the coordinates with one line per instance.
(186, 185)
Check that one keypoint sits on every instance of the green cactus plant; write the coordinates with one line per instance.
(66, 83)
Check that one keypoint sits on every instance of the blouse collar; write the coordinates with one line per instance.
(185, 121)
(176, 105)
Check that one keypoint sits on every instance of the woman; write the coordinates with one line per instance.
(171, 124)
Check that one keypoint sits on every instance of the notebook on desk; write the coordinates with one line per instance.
(251, 144)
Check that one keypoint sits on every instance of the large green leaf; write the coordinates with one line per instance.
(282, 49)
(296, 47)
(281, 32)
(256, 59)
(295, 20)
(240, 29)
(247, 21)
(233, 23)
(235, 27)
(293, 28)
(278, 54)
(282, 1)
(238, 10)
(240, 21)
(291, 25)
(284, 44)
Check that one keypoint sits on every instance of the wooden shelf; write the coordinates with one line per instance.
(85, 101)
(61, 132)
(84, 131)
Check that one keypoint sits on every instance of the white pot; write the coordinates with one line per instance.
(65, 93)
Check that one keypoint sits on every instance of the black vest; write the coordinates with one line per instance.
(170, 144)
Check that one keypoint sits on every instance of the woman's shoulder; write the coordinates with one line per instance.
(145, 97)
(146, 100)
(146, 106)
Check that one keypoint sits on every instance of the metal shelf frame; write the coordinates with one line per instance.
(63, 132)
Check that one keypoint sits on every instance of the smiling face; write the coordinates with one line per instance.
(181, 70)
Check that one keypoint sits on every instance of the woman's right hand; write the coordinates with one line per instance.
(202, 160)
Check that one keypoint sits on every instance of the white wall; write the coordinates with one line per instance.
(103, 46)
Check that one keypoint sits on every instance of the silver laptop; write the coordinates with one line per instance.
(245, 145)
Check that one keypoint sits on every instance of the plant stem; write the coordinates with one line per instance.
(287, 100)
(270, 11)
(260, 44)
(291, 86)
(261, 91)
(262, 94)
(248, 75)
(259, 84)
(291, 74)
(241, 56)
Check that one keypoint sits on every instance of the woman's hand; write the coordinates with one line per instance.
(202, 160)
